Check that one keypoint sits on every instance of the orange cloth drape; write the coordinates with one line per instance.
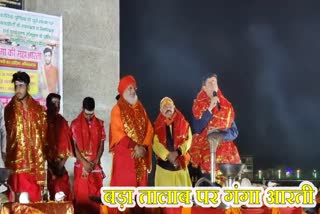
(129, 125)
(52, 76)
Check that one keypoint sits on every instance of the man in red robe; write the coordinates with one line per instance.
(58, 148)
(212, 112)
(131, 135)
(88, 135)
(26, 125)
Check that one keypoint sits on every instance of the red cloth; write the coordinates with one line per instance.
(201, 210)
(124, 169)
(26, 138)
(59, 138)
(84, 187)
(25, 182)
(181, 127)
(88, 138)
(222, 118)
(57, 184)
(180, 133)
(58, 148)
(168, 210)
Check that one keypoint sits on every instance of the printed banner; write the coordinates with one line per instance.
(30, 42)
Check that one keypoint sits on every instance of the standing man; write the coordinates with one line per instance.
(171, 143)
(3, 136)
(131, 135)
(212, 112)
(88, 136)
(26, 126)
(58, 148)
(51, 71)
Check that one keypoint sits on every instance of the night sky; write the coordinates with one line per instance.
(265, 52)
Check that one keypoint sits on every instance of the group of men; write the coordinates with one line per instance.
(132, 137)
(36, 136)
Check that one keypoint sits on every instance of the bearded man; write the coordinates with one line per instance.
(131, 135)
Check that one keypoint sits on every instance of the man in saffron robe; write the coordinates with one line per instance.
(58, 148)
(131, 135)
(171, 143)
(26, 125)
(88, 135)
(212, 112)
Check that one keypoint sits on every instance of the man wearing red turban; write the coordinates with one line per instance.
(212, 112)
(131, 135)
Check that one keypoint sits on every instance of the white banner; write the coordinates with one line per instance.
(30, 42)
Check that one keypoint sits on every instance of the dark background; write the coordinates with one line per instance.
(16, 4)
(265, 52)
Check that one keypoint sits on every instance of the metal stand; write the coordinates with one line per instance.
(228, 170)
(231, 171)
(45, 196)
(214, 142)
(213, 147)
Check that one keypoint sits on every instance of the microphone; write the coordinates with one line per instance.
(215, 94)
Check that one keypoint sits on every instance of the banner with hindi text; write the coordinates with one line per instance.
(30, 42)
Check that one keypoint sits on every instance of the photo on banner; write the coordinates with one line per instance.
(31, 42)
